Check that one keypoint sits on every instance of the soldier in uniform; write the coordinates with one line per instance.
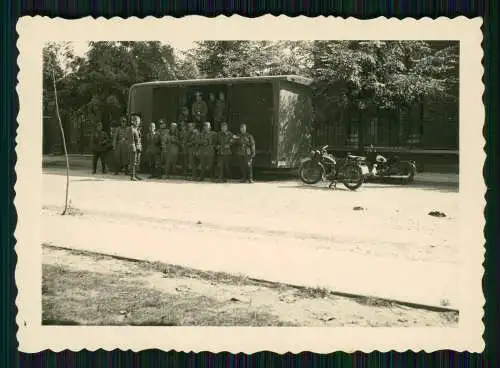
(149, 151)
(120, 146)
(163, 140)
(190, 142)
(199, 109)
(210, 109)
(182, 128)
(246, 153)
(135, 146)
(173, 143)
(206, 143)
(111, 154)
(184, 115)
(219, 110)
(224, 141)
(139, 131)
(100, 145)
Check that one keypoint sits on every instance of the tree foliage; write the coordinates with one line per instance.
(97, 85)
(385, 74)
(57, 58)
(251, 58)
(370, 74)
(360, 75)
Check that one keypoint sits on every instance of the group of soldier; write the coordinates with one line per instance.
(200, 152)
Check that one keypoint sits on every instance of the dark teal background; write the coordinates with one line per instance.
(11, 10)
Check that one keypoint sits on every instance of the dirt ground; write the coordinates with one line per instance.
(90, 289)
(392, 222)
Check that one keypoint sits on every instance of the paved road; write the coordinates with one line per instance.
(279, 231)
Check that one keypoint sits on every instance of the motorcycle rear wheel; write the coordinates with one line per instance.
(410, 171)
(310, 172)
(353, 177)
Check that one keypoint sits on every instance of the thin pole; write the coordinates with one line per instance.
(64, 145)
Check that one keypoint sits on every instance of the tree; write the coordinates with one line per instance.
(251, 58)
(376, 75)
(103, 79)
(53, 55)
(185, 66)
(57, 62)
(361, 78)
(57, 58)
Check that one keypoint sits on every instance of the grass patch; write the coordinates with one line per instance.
(90, 298)
(85, 288)
(374, 302)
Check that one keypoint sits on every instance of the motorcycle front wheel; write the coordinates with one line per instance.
(353, 177)
(310, 172)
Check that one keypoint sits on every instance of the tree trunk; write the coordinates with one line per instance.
(389, 127)
(66, 201)
(421, 119)
(361, 131)
(400, 126)
(352, 130)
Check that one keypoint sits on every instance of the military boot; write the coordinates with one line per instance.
(132, 173)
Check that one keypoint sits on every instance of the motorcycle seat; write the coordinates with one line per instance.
(353, 157)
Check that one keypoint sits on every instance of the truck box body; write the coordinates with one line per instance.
(277, 111)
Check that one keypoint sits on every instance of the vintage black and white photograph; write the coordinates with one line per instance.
(253, 183)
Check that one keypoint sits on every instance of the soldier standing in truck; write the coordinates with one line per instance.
(220, 110)
(199, 109)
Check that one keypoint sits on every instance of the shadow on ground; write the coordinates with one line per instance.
(262, 177)
(445, 188)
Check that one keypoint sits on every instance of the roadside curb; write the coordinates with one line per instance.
(433, 308)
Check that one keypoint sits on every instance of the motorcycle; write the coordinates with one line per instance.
(390, 167)
(321, 165)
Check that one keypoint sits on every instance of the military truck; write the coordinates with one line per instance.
(277, 110)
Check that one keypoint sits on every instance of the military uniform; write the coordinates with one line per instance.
(211, 109)
(224, 152)
(121, 147)
(149, 151)
(135, 149)
(246, 153)
(219, 113)
(155, 154)
(190, 144)
(182, 128)
(199, 110)
(100, 146)
(173, 143)
(183, 116)
(163, 149)
(206, 145)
